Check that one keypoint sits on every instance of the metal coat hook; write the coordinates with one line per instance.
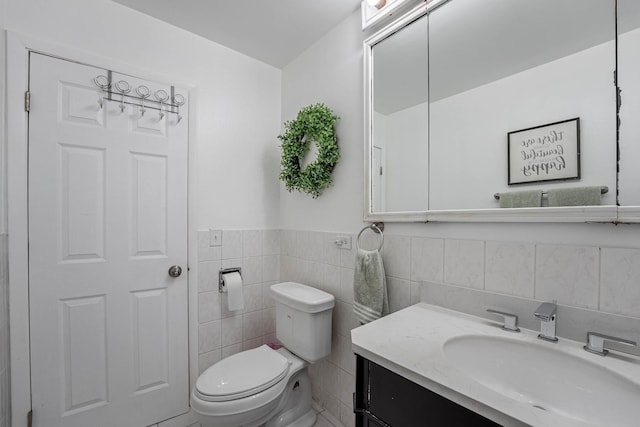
(179, 101)
(123, 87)
(103, 83)
(162, 96)
(143, 92)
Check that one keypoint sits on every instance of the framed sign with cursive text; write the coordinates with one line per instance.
(544, 153)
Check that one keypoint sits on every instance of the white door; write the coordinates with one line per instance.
(107, 218)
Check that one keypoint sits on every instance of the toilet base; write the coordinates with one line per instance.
(295, 409)
(291, 409)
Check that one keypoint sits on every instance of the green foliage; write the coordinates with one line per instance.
(315, 122)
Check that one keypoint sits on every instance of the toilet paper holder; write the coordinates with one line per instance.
(224, 271)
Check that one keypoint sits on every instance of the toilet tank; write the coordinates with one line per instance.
(303, 319)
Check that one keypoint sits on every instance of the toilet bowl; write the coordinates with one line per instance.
(263, 386)
(250, 387)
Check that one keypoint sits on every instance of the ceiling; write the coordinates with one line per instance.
(274, 32)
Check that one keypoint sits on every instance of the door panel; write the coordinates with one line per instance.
(85, 353)
(107, 218)
(149, 219)
(150, 344)
(82, 202)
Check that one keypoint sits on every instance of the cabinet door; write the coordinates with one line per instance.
(370, 422)
(399, 402)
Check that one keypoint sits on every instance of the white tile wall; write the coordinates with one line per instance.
(464, 263)
(399, 292)
(312, 258)
(463, 274)
(427, 259)
(221, 332)
(253, 298)
(467, 275)
(271, 242)
(232, 244)
(5, 401)
(620, 281)
(569, 274)
(397, 256)
(510, 268)
(209, 306)
(252, 243)
(270, 268)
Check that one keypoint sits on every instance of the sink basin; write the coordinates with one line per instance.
(547, 378)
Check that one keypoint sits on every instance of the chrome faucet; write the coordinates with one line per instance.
(510, 321)
(596, 343)
(547, 315)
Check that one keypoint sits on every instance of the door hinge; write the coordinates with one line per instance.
(30, 419)
(27, 101)
(380, 170)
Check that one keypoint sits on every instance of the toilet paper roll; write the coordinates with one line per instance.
(233, 285)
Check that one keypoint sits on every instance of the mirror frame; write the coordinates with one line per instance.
(594, 214)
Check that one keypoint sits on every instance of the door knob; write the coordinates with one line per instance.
(175, 271)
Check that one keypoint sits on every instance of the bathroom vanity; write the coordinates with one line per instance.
(426, 365)
(386, 398)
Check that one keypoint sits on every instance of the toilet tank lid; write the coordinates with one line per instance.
(302, 297)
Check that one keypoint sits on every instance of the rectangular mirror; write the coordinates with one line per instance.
(493, 67)
(400, 135)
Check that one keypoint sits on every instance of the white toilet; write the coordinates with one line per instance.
(270, 387)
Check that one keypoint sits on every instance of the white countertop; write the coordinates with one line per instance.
(410, 343)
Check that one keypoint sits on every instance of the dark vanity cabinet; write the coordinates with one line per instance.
(384, 398)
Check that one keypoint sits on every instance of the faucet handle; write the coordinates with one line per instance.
(595, 343)
(546, 311)
(510, 320)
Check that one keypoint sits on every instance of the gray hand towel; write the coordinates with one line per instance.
(370, 301)
(521, 199)
(577, 196)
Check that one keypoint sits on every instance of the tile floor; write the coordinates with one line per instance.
(325, 419)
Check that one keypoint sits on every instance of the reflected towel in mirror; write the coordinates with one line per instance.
(576, 196)
(521, 199)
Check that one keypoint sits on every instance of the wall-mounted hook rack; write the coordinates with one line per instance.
(121, 92)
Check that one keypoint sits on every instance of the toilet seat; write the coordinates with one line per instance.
(243, 374)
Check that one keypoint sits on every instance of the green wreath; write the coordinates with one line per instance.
(314, 123)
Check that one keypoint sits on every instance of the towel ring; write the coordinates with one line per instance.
(375, 228)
